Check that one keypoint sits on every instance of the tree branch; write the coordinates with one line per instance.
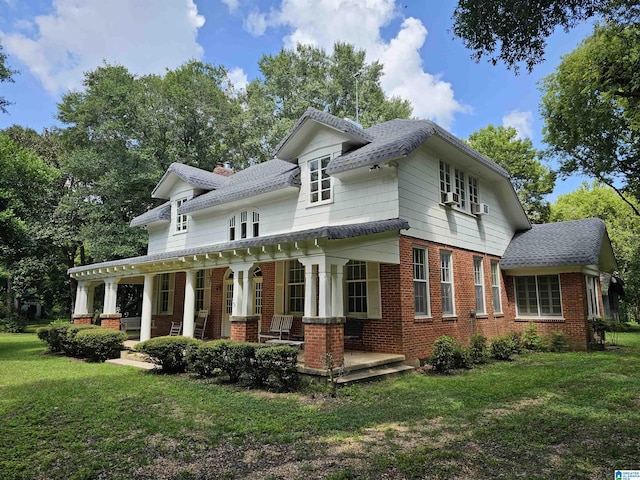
(610, 184)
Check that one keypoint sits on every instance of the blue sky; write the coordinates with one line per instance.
(52, 42)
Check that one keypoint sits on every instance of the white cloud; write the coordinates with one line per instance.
(232, 5)
(80, 34)
(360, 23)
(521, 121)
(238, 79)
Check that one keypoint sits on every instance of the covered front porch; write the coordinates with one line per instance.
(242, 287)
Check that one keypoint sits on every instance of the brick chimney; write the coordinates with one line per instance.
(222, 170)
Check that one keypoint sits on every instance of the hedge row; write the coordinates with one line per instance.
(447, 354)
(260, 365)
(94, 343)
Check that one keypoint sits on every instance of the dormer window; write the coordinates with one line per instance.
(182, 221)
(245, 224)
(319, 181)
(459, 190)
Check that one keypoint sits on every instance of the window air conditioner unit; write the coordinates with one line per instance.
(451, 198)
(479, 208)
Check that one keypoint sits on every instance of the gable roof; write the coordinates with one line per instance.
(351, 129)
(258, 179)
(335, 232)
(572, 243)
(161, 213)
(193, 176)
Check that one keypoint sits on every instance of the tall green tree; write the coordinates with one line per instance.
(516, 31)
(531, 178)
(294, 80)
(6, 75)
(591, 108)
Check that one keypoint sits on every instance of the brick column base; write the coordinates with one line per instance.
(82, 319)
(110, 320)
(323, 336)
(244, 329)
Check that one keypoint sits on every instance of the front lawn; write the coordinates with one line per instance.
(572, 415)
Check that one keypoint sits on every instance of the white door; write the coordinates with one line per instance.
(227, 307)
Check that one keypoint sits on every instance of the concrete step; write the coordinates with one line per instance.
(131, 355)
(123, 362)
(373, 374)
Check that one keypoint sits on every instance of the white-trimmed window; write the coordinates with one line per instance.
(182, 221)
(473, 190)
(232, 228)
(255, 224)
(295, 286)
(164, 294)
(201, 281)
(538, 296)
(246, 224)
(478, 283)
(356, 287)
(495, 286)
(243, 224)
(593, 304)
(446, 282)
(461, 187)
(445, 180)
(257, 291)
(319, 180)
(422, 304)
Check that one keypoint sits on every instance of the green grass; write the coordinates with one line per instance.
(572, 415)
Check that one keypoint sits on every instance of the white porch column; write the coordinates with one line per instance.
(91, 293)
(147, 307)
(310, 288)
(188, 316)
(242, 291)
(237, 293)
(81, 298)
(110, 295)
(337, 294)
(324, 279)
(247, 294)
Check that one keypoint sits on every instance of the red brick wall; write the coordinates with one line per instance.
(574, 308)
(163, 322)
(321, 339)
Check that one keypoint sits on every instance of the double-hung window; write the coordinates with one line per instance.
(446, 283)
(445, 180)
(244, 225)
(295, 282)
(356, 287)
(593, 304)
(461, 189)
(200, 289)
(182, 221)
(478, 282)
(421, 282)
(538, 296)
(473, 190)
(319, 180)
(164, 294)
(495, 286)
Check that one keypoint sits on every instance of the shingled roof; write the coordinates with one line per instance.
(255, 180)
(572, 243)
(195, 177)
(398, 138)
(335, 232)
(158, 214)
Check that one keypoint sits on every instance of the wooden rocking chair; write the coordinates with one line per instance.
(176, 329)
(200, 324)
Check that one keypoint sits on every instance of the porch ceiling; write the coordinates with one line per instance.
(259, 249)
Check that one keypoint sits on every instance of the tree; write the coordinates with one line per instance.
(531, 179)
(591, 107)
(310, 77)
(515, 31)
(24, 190)
(6, 75)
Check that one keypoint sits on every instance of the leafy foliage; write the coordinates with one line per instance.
(531, 178)
(502, 348)
(6, 75)
(558, 342)
(443, 354)
(514, 32)
(591, 108)
(168, 352)
(478, 350)
(277, 367)
(100, 344)
(530, 339)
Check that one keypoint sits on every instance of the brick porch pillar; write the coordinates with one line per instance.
(110, 320)
(244, 328)
(82, 319)
(323, 336)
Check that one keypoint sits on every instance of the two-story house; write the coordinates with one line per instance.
(401, 225)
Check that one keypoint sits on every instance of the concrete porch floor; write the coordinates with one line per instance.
(353, 359)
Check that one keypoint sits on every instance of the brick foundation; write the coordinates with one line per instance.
(244, 329)
(323, 336)
(82, 319)
(110, 320)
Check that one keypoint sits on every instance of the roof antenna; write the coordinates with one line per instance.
(356, 75)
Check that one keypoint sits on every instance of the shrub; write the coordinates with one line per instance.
(68, 340)
(98, 345)
(558, 342)
(461, 357)
(168, 352)
(517, 345)
(238, 358)
(13, 324)
(478, 350)
(442, 354)
(502, 348)
(53, 335)
(205, 359)
(530, 339)
(276, 366)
